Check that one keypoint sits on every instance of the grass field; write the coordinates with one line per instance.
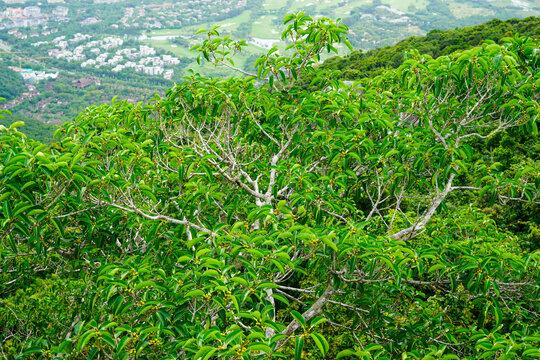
(274, 4)
(177, 50)
(228, 25)
(461, 11)
(403, 5)
(265, 28)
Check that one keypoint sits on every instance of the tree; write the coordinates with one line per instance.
(230, 220)
(11, 83)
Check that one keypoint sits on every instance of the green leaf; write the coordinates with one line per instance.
(16, 124)
(147, 283)
(317, 321)
(240, 281)
(211, 273)
(436, 267)
(299, 318)
(183, 259)
(205, 353)
(321, 343)
(32, 350)
(194, 293)
(373, 347)
(281, 298)
(532, 353)
(58, 226)
(84, 339)
(329, 242)
(108, 339)
(345, 353)
(298, 347)
(260, 347)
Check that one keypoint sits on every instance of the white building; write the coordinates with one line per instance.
(146, 50)
(32, 11)
(153, 70)
(115, 60)
(58, 39)
(168, 74)
(102, 57)
(34, 76)
(89, 62)
(111, 43)
(60, 11)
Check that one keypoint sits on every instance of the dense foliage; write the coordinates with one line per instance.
(34, 129)
(510, 148)
(228, 220)
(60, 100)
(11, 83)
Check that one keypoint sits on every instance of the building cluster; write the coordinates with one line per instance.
(170, 14)
(152, 65)
(33, 76)
(108, 52)
(149, 16)
(14, 17)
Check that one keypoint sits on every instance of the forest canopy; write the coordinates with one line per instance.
(11, 83)
(235, 220)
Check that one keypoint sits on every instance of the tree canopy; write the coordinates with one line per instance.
(248, 217)
(11, 83)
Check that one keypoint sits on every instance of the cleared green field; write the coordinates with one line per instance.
(228, 25)
(177, 50)
(265, 27)
(462, 10)
(403, 5)
(274, 4)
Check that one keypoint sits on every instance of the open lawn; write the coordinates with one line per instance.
(461, 11)
(403, 5)
(274, 4)
(266, 28)
(228, 25)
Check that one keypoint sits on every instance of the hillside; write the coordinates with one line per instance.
(435, 43)
(248, 217)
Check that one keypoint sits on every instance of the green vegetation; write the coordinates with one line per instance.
(61, 100)
(508, 148)
(227, 220)
(34, 129)
(11, 83)
(436, 43)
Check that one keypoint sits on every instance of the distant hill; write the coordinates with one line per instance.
(361, 64)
